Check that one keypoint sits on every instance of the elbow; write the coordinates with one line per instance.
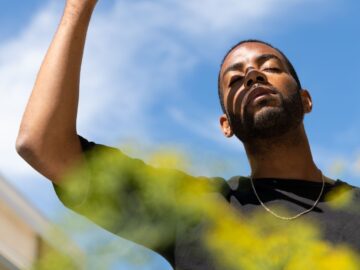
(30, 153)
(24, 147)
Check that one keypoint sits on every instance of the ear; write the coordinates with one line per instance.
(306, 100)
(225, 126)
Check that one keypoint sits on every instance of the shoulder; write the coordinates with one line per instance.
(237, 186)
(346, 186)
(239, 183)
(343, 194)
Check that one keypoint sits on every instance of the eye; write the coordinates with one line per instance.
(272, 69)
(235, 79)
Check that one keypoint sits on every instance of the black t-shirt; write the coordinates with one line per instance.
(185, 248)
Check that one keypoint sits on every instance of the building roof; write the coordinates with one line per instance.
(23, 230)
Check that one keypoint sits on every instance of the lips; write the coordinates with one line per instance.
(258, 90)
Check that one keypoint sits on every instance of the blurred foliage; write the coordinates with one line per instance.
(340, 198)
(144, 204)
(54, 259)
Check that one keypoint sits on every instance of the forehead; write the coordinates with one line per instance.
(248, 52)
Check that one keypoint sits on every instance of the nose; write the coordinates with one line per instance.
(254, 76)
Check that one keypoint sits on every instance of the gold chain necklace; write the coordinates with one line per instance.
(293, 217)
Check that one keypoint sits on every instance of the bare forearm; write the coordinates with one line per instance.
(48, 127)
(52, 108)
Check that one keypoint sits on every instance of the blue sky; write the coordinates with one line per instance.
(150, 73)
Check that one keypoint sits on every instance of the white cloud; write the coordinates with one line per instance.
(19, 60)
(136, 53)
(208, 129)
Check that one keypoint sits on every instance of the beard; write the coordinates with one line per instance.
(271, 122)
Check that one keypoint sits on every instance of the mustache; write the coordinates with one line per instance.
(259, 89)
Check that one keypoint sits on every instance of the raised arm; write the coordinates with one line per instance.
(47, 138)
(121, 194)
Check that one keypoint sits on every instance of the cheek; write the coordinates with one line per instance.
(228, 101)
(234, 100)
(286, 84)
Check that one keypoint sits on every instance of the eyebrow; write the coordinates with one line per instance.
(260, 59)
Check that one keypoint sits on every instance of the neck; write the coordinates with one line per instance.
(288, 156)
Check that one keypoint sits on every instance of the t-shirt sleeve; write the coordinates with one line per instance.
(128, 197)
(74, 194)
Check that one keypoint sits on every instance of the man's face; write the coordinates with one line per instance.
(261, 97)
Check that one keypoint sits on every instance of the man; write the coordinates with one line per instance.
(264, 105)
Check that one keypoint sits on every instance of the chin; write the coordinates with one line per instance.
(272, 122)
(266, 116)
